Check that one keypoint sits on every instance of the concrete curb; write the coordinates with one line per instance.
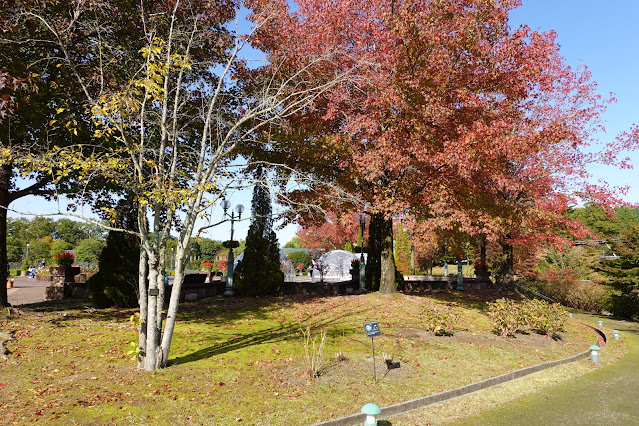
(404, 407)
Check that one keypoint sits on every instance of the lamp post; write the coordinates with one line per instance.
(172, 260)
(362, 224)
(231, 244)
(27, 256)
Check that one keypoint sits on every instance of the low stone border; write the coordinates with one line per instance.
(404, 407)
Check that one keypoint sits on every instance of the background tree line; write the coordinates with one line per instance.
(47, 237)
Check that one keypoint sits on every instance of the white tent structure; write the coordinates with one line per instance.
(336, 265)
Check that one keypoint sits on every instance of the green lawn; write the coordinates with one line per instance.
(242, 360)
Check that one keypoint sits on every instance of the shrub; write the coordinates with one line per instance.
(440, 321)
(506, 316)
(563, 286)
(116, 282)
(624, 305)
(543, 317)
(509, 316)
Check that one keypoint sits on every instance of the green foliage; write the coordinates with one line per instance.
(209, 248)
(543, 317)
(403, 250)
(59, 246)
(259, 273)
(15, 250)
(509, 316)
(193, 265)
(298, 257)
(87, 251)
(294, 243)
(116, 283)
(506, 316)
(39, 249)
(623, 305)
(605, 225)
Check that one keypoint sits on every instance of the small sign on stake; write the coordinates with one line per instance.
(372, 330)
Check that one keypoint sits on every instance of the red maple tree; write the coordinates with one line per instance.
(455, 118)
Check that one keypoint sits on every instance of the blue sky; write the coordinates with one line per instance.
(602, 35)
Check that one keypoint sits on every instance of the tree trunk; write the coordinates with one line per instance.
(151, 360)
(373, 268)
(482, 249)
(171, 313)
(508, 271)
(142, 300)
(161, 289)
(387, 283)
(5, 180)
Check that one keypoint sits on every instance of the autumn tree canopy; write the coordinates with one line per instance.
(456, 118)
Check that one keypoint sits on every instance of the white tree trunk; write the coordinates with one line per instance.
(142, 300)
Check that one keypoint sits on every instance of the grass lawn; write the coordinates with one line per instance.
(242, 360)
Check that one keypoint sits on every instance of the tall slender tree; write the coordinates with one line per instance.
(171, 104)
(260, 273)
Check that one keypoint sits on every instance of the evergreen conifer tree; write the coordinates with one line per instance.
(259, 273)
(116, 282)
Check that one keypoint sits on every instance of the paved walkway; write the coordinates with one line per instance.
(607, 396)
(27, 290)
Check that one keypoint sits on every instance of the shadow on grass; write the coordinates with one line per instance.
(475, 300)
(252, 309)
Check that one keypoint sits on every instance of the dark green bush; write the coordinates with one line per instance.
(623, 305)
(116, 282)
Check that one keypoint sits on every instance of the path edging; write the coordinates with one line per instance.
(404, 407)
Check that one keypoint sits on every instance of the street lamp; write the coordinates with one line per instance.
(231, 244)
(362, 223)
(172, 259)
(27, 257)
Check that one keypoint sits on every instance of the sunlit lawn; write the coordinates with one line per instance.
(242, 360)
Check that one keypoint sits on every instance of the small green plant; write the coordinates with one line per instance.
(134, 351)
(440, 321)
(313, 352)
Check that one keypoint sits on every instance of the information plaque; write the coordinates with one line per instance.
(372, 329)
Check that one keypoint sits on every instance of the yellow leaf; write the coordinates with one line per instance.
(75, 132)
(59, 110)
(58, 66)
(51, 122)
